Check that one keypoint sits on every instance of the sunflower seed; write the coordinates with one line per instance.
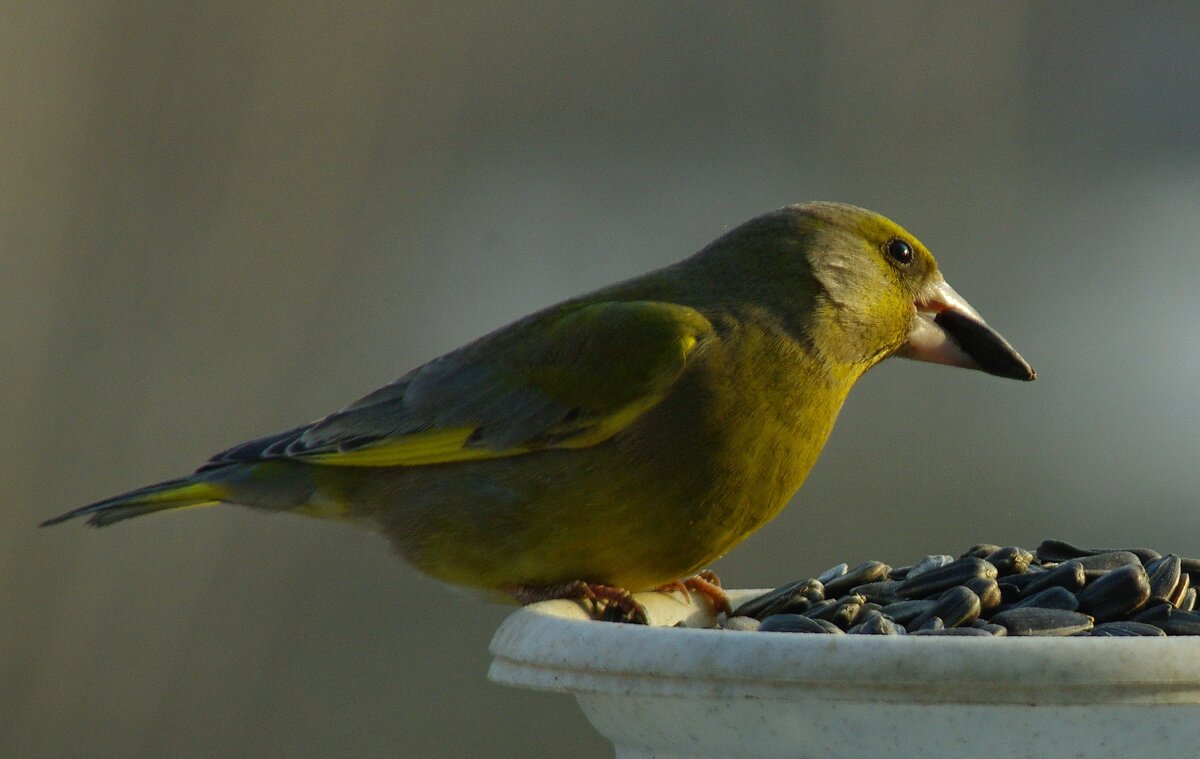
(1145, 554)
(884, 589)
(847, 612)
(1070, 575)
(1164, 577)
(1182, 623)
(791, 623)
(992, 628)
(1171, 620)
(929, 563)
(868, 571)
(1099, 563)
(830, 627)
(1188, 602)
(821, 609)
(1179, 595)
(874, 623)
(1126, 629)
(956, 606)
(1050, 598)
(1116, 594)
(1192, 567)
(1009, 593)
(1058, 550)
(935, 581)
(980, 550)
(1154, 615)
(833, 572)
(987, 589)
(955, 631)
(904, 612)
(794, 597)
(1034, 621)
(1022, 581)
(1010, 560)
(1061, 590)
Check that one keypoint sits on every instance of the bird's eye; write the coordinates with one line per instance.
(900, 251)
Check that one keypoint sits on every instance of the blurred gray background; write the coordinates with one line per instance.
(219, 220)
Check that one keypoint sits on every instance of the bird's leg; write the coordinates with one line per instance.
(607, 602)
(706, 583)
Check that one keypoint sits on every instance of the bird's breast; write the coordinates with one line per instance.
(739, 434)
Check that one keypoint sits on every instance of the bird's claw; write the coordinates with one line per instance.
(606, 603)
(706, 583)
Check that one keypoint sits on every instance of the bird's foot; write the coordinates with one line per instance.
(706, 583)
(606, 603)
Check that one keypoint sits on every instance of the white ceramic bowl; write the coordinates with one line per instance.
(666, 691)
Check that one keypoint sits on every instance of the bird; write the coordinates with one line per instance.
(620, 440)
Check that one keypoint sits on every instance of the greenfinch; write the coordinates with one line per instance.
(622, 439)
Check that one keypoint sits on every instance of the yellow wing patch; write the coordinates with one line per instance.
(602, 429)
(187, 494)
(431, 447)
(446, 446)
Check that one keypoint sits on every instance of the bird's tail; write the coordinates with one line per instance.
(172, 494)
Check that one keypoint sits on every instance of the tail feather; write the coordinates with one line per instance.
(173, 494)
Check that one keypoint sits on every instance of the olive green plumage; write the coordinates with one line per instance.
(626, 437)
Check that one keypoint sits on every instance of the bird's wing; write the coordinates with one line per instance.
(570, 378)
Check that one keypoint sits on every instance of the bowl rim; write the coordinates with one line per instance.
(554, 646)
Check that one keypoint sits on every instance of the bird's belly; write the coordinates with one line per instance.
(662, 499)
(559, 516)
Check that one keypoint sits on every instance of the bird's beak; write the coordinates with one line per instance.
(948, 331)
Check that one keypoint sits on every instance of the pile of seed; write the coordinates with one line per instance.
(1059, 589)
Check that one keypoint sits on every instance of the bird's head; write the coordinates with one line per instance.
(879, 293)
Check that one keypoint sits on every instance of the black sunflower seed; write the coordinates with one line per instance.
(794, 597)
(937, 580)
(868, 571)
(1119, 592)
(955, 631)
(980, 550)
(1035, 621)
(1010, 560)
(1164, 577)
(1061, 590)
(833, 572)
(1099, 563)
(1050, 598)
(791, 623)
(1126, 629)
(987, 589)
(874, 623)
(1070, 575)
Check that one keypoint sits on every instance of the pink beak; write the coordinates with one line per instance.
(947, 330)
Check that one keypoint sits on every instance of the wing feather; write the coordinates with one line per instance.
(566, 378)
